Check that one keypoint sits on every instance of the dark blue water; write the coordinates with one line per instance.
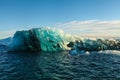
(58, 66)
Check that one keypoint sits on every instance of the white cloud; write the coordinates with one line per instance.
(84, 28)
(92, 27)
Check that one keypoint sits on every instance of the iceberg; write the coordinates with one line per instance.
(52, 39)
(40, 39)
(96, 44)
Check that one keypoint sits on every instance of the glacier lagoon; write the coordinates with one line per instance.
(25, 58)
(102, 65)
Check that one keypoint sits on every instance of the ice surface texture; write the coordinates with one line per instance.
(51, 39)
(40, 39)
(96, 44)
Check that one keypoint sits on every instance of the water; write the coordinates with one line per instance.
(59, 66)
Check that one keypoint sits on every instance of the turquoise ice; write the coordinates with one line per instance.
(51, 39)
(40, 39)
(96, 44)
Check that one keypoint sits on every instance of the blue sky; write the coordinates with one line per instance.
(25, 14)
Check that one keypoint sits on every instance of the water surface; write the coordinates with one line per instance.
(59, 66)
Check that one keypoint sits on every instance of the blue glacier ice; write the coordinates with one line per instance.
(96, 44)
(40, 39)
(51, 39)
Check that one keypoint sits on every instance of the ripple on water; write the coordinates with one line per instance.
(58, 66)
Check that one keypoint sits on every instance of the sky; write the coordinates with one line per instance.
(84, 17)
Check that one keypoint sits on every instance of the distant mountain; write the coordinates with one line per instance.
(5, 41)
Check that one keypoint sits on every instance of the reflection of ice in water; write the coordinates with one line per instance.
(59, 66)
